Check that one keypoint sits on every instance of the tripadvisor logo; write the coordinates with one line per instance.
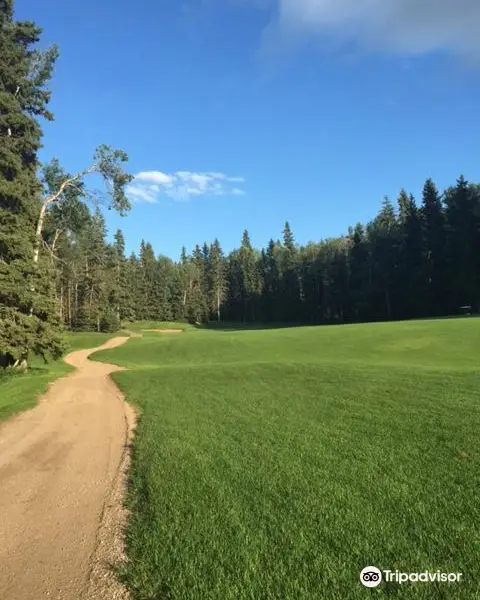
(371, 577)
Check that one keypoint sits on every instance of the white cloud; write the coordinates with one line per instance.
(149, 186)
(154, 177)
(139, 193)
(404, 26)
(222, 177)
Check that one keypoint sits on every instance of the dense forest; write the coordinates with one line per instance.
(416, 258)
(412, 260)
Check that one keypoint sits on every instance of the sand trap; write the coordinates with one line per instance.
(165, 330)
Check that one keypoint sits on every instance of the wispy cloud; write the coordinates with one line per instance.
(150, 186)
(403, 26)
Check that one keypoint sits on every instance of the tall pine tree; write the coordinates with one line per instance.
(28, 315)
(217, 280)
(434, 252)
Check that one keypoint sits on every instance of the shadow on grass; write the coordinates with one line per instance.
(31, 371)
(445, 318)
(38, 370)
(248, 326)
(233, 326)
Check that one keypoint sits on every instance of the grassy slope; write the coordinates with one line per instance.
(20, 392)
(279, 463)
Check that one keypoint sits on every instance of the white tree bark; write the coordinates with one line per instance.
(55, 197)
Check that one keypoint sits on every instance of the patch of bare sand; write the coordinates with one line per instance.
(63, 469)
(165, 330)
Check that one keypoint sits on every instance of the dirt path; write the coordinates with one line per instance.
(62, 470)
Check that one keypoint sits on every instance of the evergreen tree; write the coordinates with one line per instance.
(248, 280)
(410, 267)
(360, 282)
(434, 251)
(148, 292)
(133, 276)
(310, 267)
(291, 282)
(28, 315)
(121, 296)
(197, 310)
(404, 207)
(288, 239)
(272, 270)
(165, 291)
(183, 285)
(462, 232)
(218, 280)
(94, 305)
(332, 271)
(383, 240)
(475, 195)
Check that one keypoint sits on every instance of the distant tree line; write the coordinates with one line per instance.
(412, 260)
(57, 269)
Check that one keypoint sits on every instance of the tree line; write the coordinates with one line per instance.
(412, 260)
(416, 258)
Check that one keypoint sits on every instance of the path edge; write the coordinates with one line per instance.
(110, 547)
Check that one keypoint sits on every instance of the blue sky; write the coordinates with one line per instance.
(246, 113)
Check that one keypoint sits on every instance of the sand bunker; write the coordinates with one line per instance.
(165, 330)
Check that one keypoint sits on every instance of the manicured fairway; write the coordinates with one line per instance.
(277, 464)
(20, 391)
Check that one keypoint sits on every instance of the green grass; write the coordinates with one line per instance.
(143, 326)
(277, 464)
(442, 344)
(20, 392)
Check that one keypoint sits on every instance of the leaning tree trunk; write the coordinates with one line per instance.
(76, 303)
(21, 364)
(39, 232)
(69, 304)
(61, 305)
